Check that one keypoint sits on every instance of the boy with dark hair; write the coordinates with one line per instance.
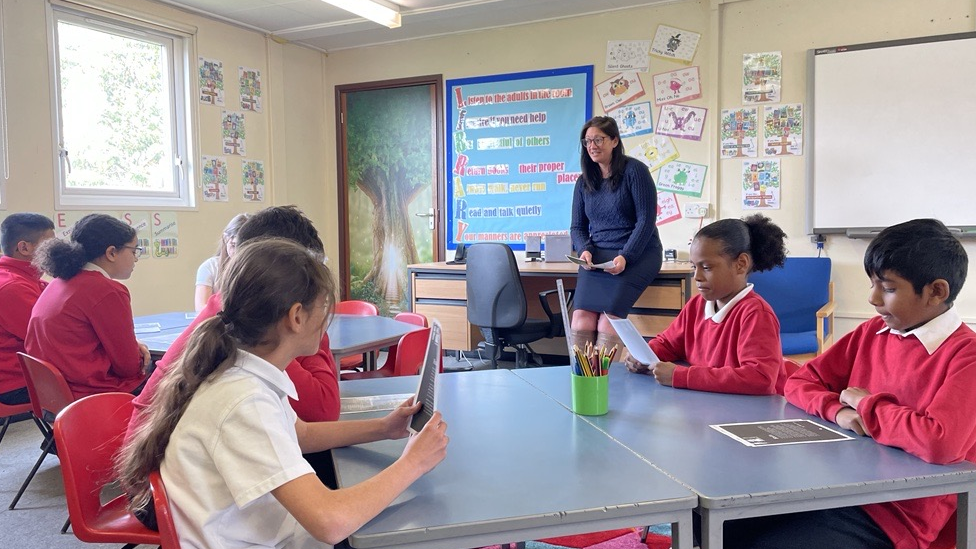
(315, 377)
(905, 378)
(20, 286)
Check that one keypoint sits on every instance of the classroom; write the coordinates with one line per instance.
(295, 133)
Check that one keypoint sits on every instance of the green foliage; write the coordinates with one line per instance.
(366, 291)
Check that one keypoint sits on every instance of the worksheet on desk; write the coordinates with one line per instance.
(778, 432)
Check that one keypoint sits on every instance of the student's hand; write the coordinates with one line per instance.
(146, 357)
(852, 396)
(619, 264)
(396, 422)
(848, 419)
(428, 447)
(636, 367)
(664, 372)
(588, 258)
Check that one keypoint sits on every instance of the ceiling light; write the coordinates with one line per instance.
(381, 12)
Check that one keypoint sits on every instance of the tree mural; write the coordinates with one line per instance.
(390, 160)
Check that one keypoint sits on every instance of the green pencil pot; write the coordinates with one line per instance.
(590, 395)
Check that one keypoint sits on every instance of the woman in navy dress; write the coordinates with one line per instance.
(614, 214)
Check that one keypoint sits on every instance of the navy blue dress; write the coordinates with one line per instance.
(610, 223)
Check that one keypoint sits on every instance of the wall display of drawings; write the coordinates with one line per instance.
(619, 90)
(656, 151)
(760, 184)
(627, 55)
(634, 119)
(684, 178)
(233, 133)
(156, 232)
(165, 235)
(667, 208)
(677, 86)
(762, 75)
(740, 133)
(252, 174)
(783, 129)
(214, 178)
(211, 82)
(250, 86)
(513, 153)
(675, 44)
(683, 121)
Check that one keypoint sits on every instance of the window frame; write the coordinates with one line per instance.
(179, 43)
(4, 140)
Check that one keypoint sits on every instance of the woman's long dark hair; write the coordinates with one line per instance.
(592, 176)
(91, 236)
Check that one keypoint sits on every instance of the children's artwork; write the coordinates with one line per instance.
(762, 75)
(675, 44)
(682, 177)
(165, 235)
(211, 82)
(760, 184)
(667, 208)
(627, 55)
(214, 178)
(656, 151)
(140, 222)
(619, 90)
(677, 86)
(740, 131)
(233, 132)
(250, 81)
(253, 175)
(682, 121)
(634, 119)
(784, 130)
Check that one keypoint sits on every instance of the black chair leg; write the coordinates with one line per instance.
(46, 449)
(3, 431)
(67, 524)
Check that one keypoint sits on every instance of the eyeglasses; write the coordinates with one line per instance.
(136, 250)
(598, 141)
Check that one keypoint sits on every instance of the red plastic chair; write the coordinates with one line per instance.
(49, 394)
(164, 515)
(359, 308)
(416, 319)
(89, 433)
(410, 355)
(8, 411)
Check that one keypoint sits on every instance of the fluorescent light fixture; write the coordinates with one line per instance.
(381, 12)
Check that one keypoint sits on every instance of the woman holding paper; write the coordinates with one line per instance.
(614, 231)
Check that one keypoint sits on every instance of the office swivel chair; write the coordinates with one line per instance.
(496, 304)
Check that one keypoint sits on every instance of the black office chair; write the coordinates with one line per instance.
(496, 304)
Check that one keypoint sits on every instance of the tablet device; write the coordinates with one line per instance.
(634, 342)
(427, 387)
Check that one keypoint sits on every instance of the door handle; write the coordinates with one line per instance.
(430, 215)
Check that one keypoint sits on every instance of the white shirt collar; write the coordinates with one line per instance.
(719, 315)
(267, 372)
(934, 332)
(92, 267)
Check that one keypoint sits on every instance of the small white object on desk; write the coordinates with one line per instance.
(634, 342)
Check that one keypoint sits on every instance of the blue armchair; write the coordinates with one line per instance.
(802, 296)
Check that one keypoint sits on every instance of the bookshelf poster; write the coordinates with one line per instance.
(233, 133)
(783, 135)
(165, 235)
(762, 76)
(250, 86)
(214, 179)
(760, 184)
(253, 178)
(740, 133)
(210, 82)
(140, 221)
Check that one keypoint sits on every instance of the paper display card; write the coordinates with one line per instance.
(762, 76)
(667, 207)
(783, 124)
(627, 55)
(214, 178)
(210, 81)
(683, 121)
(634, 342)
(675, 44)
(677, 86)
(250, 84)
(601, 266)
(682, 177)
(657, 151)
(634, 119)
(779, 432)
(740, 133)
(760, 184)
(233, 132)
(427, 388)
(619, 90)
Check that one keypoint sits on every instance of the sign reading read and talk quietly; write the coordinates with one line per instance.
(513, 153)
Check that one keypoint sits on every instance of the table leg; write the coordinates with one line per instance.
(681, 533)
(965, 521)
(711, 530)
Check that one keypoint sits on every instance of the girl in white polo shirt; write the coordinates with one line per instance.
(226, 441)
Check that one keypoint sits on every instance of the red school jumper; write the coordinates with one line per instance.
(20, 286)
(920, 402)
(83, 326)
(741, 354)
(314, 376)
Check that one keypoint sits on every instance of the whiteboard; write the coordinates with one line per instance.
(893, 130)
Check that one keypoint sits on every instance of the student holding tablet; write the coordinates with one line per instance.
(728, 334)
(227, 442)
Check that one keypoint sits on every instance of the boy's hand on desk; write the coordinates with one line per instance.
(636, 367)
(429, 447)
(396, 422)
(848, 419)
(852, 396)
(664, 372)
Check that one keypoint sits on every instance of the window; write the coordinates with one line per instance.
(121, 97)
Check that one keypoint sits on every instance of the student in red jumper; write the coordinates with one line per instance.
(20, 286)
(314, 376)
(904, 378)
(82, 323)
(727, 334)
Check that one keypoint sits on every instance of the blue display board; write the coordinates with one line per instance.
(513, 153)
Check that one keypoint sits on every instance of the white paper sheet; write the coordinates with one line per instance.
(635, 343)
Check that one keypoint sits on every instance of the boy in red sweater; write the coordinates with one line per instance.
(905, 378)
(20, 286)
(728, 335)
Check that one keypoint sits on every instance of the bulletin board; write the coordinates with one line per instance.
(513, 153)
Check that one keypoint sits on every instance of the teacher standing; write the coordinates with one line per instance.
(614, 214)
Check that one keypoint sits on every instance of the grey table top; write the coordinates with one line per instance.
(353, 334)
(519, 466)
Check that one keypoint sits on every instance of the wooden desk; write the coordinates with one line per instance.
(438, 290)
